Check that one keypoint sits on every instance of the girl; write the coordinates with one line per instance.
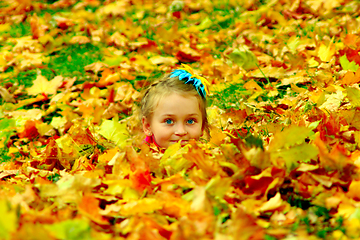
(174, 108)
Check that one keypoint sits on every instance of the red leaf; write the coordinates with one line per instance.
(30, 131)
(177, 14)
(187, 54)
(141, 180)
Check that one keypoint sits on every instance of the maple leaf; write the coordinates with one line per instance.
(326, 52)
(187, 54)
(89, 206)
(351, 78)
(141, 180)
(42, 86)
(115, 131)
(354, 96)
(4, 93)
(289, 137)
(347, 65)
(332, 101)
(244, 58)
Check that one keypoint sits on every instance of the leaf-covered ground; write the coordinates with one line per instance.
(284, 154)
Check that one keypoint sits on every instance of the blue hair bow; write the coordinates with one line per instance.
(187, 74)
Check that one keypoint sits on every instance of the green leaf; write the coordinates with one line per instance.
(355, 215)
(205, 24)
(7, 126)
(70, 229)
(346, 65)
(115, 131)
(314, 125)
(254, 141)
(294, 155)
(244, 58)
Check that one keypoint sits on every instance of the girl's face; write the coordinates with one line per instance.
(175, 118)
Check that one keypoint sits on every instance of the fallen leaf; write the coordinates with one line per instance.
(158, 60)
(42, 86)
(4, 93)
(326, 52)
(79, 40)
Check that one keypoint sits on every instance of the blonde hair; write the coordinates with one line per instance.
(163, 88)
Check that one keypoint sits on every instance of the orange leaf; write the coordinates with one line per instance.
(351, 78)
(64, 23)
(89, 206)
(30, 130)
(37, 29)
(79, 40)
(108, 78)
(351, 40)
(141, 180)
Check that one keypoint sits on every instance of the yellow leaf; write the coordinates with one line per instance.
(252, 85)
(58, 122)
(146, 205)
(157, 60)
(354, 190)
(333, 101)
(218, 186)
(312, 62)
(326, 52)
(42, 85)
(115, 131)
(8, 220)
(44, 129)
(273, 204)
(5, 27)
(289, 137)
(354, 96)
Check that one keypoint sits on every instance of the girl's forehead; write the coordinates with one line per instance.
(178, 103)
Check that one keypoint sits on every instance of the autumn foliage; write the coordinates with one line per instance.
(283, 158)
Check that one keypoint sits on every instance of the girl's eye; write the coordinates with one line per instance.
(169, 121)
(191, 121)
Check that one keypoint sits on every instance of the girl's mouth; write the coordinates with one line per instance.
(182, 141)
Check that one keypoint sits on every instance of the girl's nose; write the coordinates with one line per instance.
(180, 130)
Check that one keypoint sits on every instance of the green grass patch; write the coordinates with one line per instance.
(23, 78)
(70, 61)
(18, 30)
(229, 97)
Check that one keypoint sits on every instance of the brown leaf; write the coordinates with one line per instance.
(4, 93)
(187, 54)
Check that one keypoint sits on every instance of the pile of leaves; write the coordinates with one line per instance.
(283, 158)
